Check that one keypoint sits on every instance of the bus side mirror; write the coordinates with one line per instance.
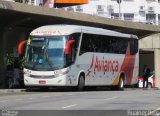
(68, 45)
(21, 46)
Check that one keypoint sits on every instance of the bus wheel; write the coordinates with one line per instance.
(121, 83)
(81, 83)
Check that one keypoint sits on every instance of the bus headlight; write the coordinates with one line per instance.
(27, 73)
(61, 72)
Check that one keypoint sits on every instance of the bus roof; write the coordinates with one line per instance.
(51, 30)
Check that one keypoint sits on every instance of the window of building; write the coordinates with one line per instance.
(115, 15)
(32, 2)
(100, 8)
(79, 8)
(151, 18)
(128, 16)
(142, 8)
(151, 9)
(150, 0)
(110, 9)
(70, 9)
(158, 18)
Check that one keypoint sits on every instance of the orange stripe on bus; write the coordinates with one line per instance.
(127, 67)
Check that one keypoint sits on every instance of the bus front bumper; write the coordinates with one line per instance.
(58, 81)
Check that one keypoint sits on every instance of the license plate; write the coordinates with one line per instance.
(42, 82)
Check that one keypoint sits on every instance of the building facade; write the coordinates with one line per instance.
(145, 11)
(57, 3)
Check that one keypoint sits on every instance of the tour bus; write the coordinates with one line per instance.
(79, 56)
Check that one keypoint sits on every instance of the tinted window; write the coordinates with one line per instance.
(76, 37)
(133, 46)
(103, 44)
(73, 48)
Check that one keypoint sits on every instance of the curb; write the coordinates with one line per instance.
(3, 91)
(155, 88)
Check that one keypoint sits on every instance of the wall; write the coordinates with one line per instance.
(147, 46)
(150, 42)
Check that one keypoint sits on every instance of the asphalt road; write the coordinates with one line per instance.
(87, 102)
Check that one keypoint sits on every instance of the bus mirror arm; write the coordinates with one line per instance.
(68, 45)
(20, 46)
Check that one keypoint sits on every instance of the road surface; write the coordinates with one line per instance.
(86, 101)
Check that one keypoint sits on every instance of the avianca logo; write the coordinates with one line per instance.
(103, 65)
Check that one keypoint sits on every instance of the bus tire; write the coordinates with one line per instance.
(120, 85)
(81, 83)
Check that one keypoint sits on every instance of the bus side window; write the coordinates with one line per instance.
(76, 37)
(133, 46)
(85, 46)
(122, 46)
(71, 55)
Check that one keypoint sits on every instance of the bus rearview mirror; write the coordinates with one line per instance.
(68, 45)
(21, 46)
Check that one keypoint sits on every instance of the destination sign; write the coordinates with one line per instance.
(38, 39)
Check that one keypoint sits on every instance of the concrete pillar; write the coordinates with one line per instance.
(157, 67)
(2, 58)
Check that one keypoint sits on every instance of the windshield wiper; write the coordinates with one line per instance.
(49, 61)
(49, 64)
(34, 65)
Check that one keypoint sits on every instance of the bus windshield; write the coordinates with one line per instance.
(46, 53)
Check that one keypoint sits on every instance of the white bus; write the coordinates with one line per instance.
(79, 56)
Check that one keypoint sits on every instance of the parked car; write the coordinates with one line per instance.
(151, 81)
